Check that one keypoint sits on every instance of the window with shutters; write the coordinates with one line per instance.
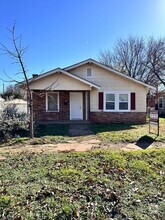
(52, 101)
(110, 101)
(117, 101)
(123, 101)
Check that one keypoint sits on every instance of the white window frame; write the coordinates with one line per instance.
(117, 93)
(91, 72)
(112, 93)
(159, 102)
(57, 102)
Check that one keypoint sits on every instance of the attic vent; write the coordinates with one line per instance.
(89, 72)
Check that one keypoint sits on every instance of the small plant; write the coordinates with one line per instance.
(13, 123)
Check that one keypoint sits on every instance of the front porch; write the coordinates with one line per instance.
(70, 122)
(69, 107)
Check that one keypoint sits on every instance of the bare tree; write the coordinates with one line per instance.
(17, 54)
(106, 57)
(155, 51)
(12, 92)
(139, 58)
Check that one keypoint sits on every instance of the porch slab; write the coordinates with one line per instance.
(63, 122)
(78, 129)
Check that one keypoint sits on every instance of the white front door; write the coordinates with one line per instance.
(76, 106)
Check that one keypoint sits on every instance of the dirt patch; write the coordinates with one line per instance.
(48, 148)
(74, 145)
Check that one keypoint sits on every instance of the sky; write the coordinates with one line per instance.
(59, 33)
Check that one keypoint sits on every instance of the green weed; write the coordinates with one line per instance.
(90, 185)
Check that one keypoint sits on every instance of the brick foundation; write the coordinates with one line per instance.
(118, 117)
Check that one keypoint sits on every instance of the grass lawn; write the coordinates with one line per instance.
(52, 130)
(128, 132)
(44, 134)
(106, 133)
(92, 185)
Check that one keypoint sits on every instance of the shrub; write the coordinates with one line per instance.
(13, 123)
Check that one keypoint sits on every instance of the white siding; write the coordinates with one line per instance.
(20, 105)
(112, 82)
(59, 81)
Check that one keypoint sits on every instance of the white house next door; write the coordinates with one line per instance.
(76, 106)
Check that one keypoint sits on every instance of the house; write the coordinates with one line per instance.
(156, 101)
(88, 91)
(161, 103)
(19, 104)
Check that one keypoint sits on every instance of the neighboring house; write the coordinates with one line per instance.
(19, 104)
(88, 91)
(157, 102)
(161, 103)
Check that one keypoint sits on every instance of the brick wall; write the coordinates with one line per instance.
(64, 114)
(40, 114)
(39, 107)
(118, 117)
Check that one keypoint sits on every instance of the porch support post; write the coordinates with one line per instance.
(87, 99)
(86, 106)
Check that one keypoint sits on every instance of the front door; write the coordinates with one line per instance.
(76, 106)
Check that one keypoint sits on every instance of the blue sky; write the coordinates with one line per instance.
(62, 32)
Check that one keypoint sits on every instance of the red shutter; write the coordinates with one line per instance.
(101, 100)
(133, 101)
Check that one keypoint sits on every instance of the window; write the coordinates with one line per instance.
(52, 103)
(89, 72)
(123, 101)
(117, 101)
(110, 101)
(160, 102)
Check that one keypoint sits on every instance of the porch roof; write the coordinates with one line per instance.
(59, 70)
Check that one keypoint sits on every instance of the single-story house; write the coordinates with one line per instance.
(88, 91)
(19, 104)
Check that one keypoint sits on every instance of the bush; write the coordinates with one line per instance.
(13, 123)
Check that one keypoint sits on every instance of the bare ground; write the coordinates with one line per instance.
(79, 145)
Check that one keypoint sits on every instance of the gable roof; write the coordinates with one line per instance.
(91, 84)
(92, 61)
(59, 70)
